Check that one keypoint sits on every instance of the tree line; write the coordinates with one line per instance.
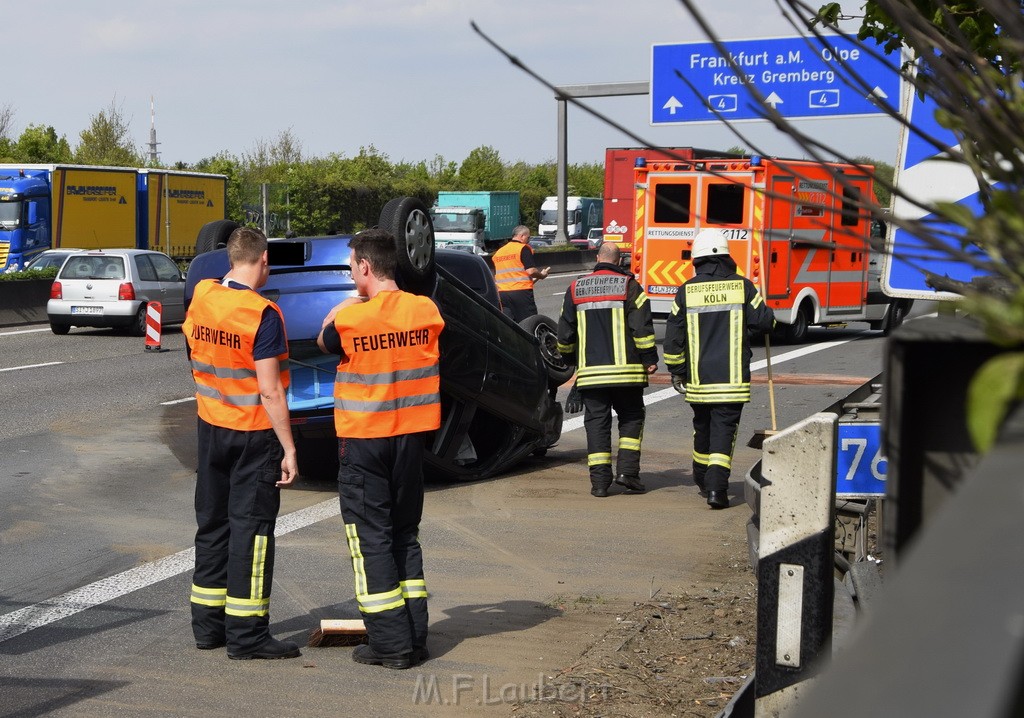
(274, 185)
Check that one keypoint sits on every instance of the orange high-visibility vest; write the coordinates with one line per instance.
(388, 382)
(509, 272)
(221, 330)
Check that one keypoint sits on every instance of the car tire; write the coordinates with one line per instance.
(545, 330)
(214, 235)
(895, 315)
(797, 331)
(59, 328)
(408, 221)
(138, 326)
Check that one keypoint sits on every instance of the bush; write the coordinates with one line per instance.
(48, 273)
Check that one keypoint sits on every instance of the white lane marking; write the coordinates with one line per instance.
(81, 599)
(662, 395)
(23, 331)
(31, 366)
(172, 402)
(46, 612)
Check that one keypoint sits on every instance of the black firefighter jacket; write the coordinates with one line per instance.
(707, 336)
(606, 328)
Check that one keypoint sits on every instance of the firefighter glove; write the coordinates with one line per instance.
(574, 402)
(678, 383)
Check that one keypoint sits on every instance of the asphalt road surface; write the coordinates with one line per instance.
(97, 452)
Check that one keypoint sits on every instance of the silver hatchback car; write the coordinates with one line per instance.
(111, 288)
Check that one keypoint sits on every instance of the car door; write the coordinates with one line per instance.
(172, 286)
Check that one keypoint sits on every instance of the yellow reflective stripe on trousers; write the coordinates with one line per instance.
(259, 564)
(702, 459)
(629, 444)
(247, 607)
(358, 567)
(599, 459)
(413, 588)
(723, 460)
(215, 597)
(378, 602)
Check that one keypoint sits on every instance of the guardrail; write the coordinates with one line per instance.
(23, 301)
(944, 633)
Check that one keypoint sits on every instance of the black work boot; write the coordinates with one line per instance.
(632, 483)
(364, 654)
(600, 490)
(718, 499)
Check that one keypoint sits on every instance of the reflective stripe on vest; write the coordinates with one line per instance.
(509, 272)
(221, 331)
(388, 382)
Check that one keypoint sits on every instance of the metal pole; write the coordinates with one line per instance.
(562, 180)
(263, 193)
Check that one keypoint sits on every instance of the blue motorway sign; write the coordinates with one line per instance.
(800, 77)
(860, 466)
(926, 176)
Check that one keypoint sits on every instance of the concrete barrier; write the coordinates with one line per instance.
(23, 301)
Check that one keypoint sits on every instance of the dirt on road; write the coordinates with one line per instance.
(679, 654)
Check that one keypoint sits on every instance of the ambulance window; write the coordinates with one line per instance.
(672, 203)
(851, 205)
(725, 204)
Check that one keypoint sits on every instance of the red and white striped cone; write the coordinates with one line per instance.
(153, 312)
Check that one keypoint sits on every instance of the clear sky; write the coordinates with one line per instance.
(409, 77)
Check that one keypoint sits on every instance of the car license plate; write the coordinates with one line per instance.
(87, 310)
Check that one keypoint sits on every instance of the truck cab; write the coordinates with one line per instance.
(459, 228)
(24, 213)
(581, 215)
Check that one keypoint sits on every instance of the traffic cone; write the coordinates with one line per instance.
(153, 312)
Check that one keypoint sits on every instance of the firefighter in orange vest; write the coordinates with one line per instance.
(387, 399)
(239, 354)
(515, 272)
(707, 350)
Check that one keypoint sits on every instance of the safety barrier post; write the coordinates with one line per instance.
(795, 561)
(153, 326)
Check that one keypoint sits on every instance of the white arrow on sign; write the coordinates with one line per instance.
(773, 100)
(672, 105)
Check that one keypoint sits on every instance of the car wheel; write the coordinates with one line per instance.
(797, 331)
(897, 313)
(546, 332)
(138, 326)
(408, 221)
(214, 235)
(59, 329)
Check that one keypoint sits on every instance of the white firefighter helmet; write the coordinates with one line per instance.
(710, 243)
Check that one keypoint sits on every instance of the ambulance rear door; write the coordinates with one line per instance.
(728, 203)
(669, 226)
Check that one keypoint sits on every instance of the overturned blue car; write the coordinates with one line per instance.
(498, 378)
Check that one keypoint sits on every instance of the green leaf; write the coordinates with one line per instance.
(996, 385)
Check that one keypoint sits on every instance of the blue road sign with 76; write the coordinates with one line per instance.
(801, 77)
